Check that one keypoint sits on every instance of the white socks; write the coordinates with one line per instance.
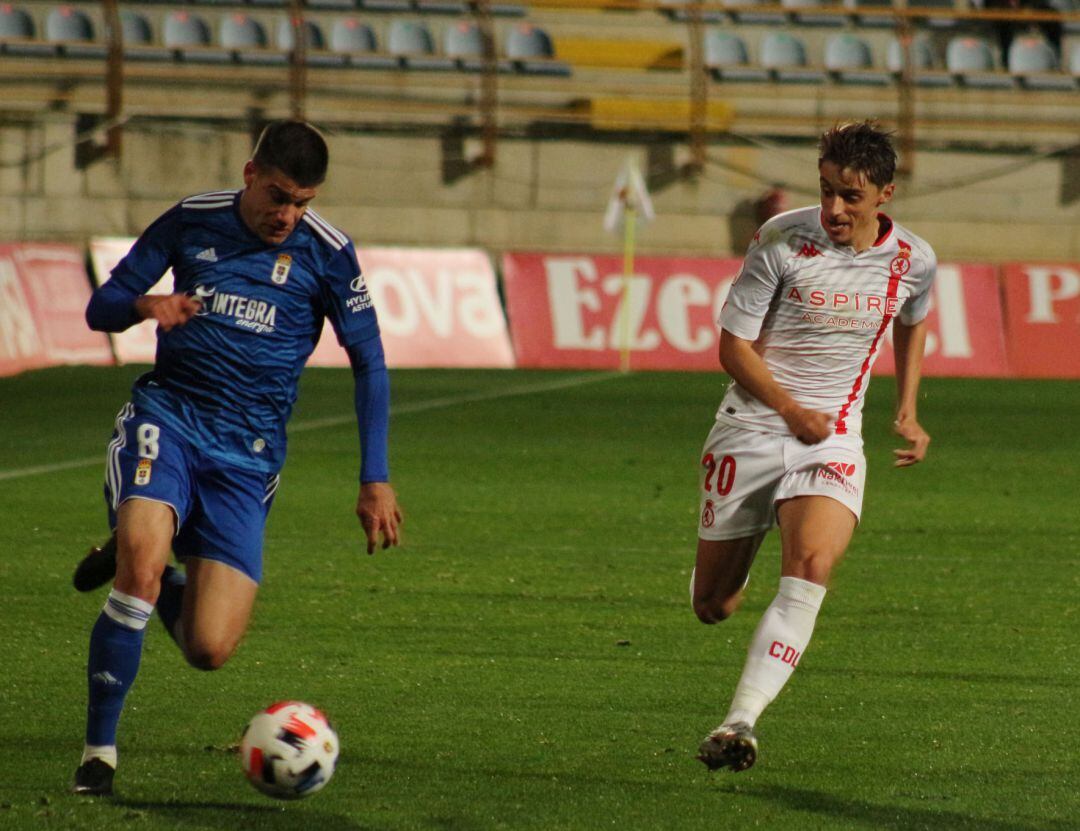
(105, 752)
(777, 646)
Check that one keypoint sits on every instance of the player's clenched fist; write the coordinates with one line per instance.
(808, 426)
(168, 310)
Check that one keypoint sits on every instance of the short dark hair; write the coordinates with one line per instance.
(861, 146)
(296, 149)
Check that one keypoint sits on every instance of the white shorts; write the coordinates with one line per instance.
(745, 474)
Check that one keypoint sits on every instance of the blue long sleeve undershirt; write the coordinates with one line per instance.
(112, 308)
(372, 400)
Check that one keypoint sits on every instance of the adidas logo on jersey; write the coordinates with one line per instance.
(808, 250)
(207, 255)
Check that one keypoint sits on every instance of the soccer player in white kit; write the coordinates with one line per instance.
(801, 328)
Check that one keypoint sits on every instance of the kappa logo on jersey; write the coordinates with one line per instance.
(281, 269)
(257, 315)
(142, 472)
(808, 250)
(207, 255)
(362, 299)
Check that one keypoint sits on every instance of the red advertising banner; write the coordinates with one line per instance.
(568, 311)
(1042, 319)
(43, 295)
(579, 310)
(965, 327)
(436, 307)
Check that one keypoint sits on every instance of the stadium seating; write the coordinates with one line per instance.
(463, 42)
(18, 35)
(531, 50)
(356, 42)
(411, 43)
(675, 9)
(872, 13)
(727, 59)
(246, 38)
(971, 60)
(745, 13)
(73, 33)
(924, 66)
(1034, 63)
(784, 55)
(1074, 60)
(138, 37)
(188, 35)
(935, 21)
(803, 12)
(848, 60)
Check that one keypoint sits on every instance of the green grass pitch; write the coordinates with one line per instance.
(528, 658)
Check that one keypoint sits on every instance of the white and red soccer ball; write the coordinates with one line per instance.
(289, 750)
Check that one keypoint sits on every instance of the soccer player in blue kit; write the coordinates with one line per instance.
(193, 464)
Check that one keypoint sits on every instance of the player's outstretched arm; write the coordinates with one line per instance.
(745, 365)
(379, 514)
(909, 343)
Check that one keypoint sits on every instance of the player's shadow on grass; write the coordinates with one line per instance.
(889, 817)
(236, 816)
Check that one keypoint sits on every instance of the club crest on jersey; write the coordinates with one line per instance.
(708, 515)
(900, 265)
(142, 472)
(281, 269)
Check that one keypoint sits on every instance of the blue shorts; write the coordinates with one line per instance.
(220, 509)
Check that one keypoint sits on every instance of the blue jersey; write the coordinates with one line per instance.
(228, 377)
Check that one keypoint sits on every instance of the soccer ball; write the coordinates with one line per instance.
(289, 750)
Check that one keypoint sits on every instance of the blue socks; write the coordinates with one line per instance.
(115, 650)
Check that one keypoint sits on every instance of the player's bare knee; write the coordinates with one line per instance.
(207, 655)
(206, 659)
(814, 565)
(714, 610)
(139, 580)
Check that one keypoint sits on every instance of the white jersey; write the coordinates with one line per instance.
(817, 313)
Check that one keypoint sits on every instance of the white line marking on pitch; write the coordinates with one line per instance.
(337, 421)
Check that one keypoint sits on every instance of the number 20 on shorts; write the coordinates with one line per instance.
(724, 471)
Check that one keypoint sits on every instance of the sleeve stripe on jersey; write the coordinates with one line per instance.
(206, 201)
(325, 230)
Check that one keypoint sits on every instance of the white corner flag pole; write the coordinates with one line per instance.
(629, 241)
(629, 204)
